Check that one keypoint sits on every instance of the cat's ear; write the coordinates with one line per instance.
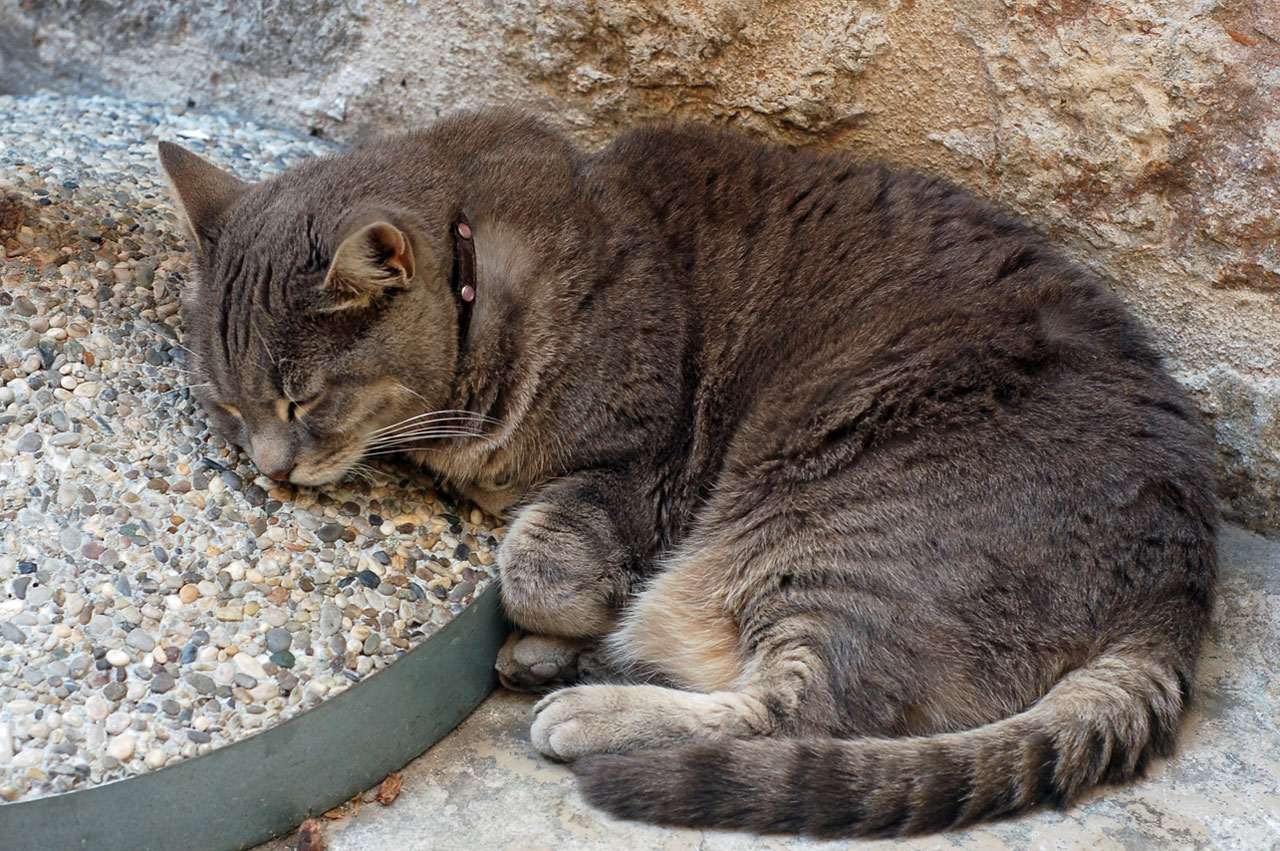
(375, 258)
(204, 191)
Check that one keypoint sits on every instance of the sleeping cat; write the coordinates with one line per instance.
(886, 512)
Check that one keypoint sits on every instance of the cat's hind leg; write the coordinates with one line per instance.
(538, 663)
(741, 678)
(591, 719)
(786, 692)
(543, 663)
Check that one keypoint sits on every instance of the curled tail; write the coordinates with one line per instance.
(1099, 724)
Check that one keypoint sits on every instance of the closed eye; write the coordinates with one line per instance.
(293, 409)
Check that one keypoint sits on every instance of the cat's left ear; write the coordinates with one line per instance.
(204, 191)
(376, 258)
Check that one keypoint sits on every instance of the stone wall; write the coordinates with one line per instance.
(1142, 137)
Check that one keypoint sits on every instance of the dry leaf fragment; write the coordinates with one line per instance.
(311, 835)
(390, 788)
(1242, 38)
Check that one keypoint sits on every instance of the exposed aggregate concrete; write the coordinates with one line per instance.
(159, 598)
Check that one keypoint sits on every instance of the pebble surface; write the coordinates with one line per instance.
(159, 598)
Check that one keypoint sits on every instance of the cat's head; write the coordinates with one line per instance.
(321, 317)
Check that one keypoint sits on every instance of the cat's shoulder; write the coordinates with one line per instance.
(476, 133)
(676, 139)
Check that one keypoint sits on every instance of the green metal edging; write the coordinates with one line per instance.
(245, 793)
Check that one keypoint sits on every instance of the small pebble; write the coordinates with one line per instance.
(122, 747)
(278, 639)
(138, 639)
(201, 683)
(330, 620)
(247, 664)
(233, 613)
(96, 708)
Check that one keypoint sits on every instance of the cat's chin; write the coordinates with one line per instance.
(315, 479)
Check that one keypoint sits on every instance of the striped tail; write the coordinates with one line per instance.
(1099, 724)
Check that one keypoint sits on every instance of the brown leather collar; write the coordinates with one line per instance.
(464, 277)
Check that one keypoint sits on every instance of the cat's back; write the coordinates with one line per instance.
(820, 241)
(820, 277)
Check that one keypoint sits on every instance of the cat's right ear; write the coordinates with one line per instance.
(203, 190)
(376, 258)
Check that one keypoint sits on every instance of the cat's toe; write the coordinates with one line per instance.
(557, 731)
(537, 663)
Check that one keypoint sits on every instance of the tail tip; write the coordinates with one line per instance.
(606, 781)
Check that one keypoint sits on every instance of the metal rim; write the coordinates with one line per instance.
(245, 793)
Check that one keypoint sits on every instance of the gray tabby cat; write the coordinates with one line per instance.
(888, 511)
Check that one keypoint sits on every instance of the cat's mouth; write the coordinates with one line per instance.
(335, 468)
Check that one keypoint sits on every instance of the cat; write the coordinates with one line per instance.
(881, 516)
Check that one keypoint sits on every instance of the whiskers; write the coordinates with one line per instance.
(177, 371)
(186, 389)
(447, 423)
(364, 472)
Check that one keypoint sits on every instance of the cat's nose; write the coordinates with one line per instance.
(272, 455)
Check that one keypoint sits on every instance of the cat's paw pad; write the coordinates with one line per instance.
(580, 721)
(538, 663)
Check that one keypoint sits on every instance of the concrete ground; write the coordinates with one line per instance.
(483, 787)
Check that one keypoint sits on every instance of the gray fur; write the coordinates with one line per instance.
(888, 511)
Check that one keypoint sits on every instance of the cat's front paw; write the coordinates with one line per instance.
(538, 663)
(580, 721)
(552, 577)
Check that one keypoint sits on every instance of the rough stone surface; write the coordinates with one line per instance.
(1143, 137)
